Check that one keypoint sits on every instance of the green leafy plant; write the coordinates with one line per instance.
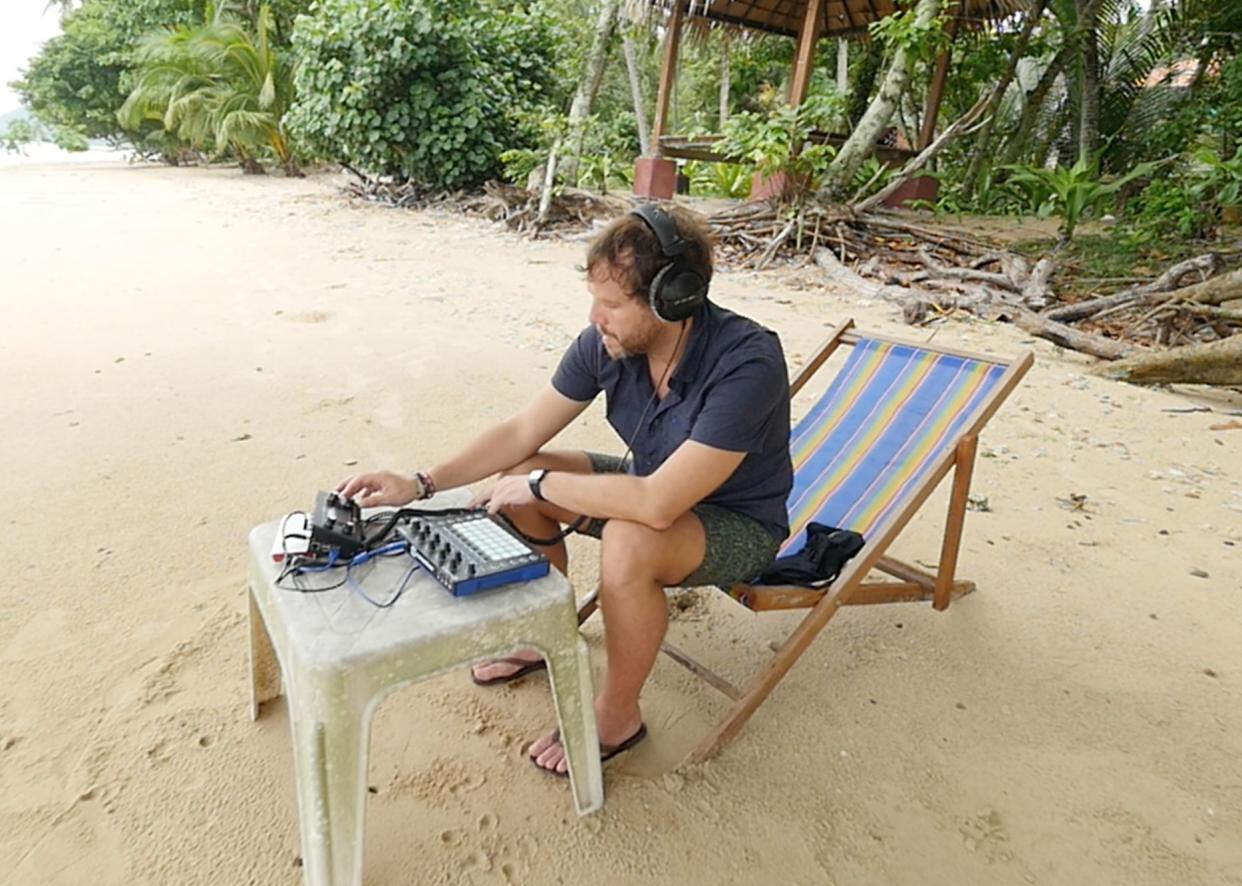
(69, 139)
(902, 30)
(1219, 181)
(1070, 192)
(18, 134)
(730, 180)
(1164, 207)
(217, 84)
(779, 142)
(431, 92)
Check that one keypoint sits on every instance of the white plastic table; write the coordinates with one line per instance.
(339, 655)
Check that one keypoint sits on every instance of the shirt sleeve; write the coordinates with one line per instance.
(739, 407)
(577, 376)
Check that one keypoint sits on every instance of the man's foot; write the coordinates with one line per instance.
(616, 735)
(506, 670)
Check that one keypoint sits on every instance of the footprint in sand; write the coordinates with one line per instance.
(477, 861)
(487, 822)
(452, 837)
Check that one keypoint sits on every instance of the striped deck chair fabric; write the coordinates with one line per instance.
(872, 437)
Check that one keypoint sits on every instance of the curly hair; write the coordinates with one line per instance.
(631, 252)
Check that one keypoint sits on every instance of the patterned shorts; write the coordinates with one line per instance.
(738, 547)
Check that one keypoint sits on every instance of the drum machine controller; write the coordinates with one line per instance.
(468, 553)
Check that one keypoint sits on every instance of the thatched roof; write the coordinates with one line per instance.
(843, 18)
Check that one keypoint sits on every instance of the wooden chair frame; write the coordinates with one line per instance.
(850, 589)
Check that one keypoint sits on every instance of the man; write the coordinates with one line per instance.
(701, 397)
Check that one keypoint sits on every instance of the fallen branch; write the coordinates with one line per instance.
(1205, 265)
(1216, 363)
(1068, 337)
(989, 277)
(1036, 293)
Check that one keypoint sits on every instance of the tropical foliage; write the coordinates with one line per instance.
(1081, 96)
(217, 86)
(432, 92)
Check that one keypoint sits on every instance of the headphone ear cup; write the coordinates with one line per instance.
(677, 292)
(655, 292)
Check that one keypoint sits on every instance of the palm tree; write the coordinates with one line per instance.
(217, 85)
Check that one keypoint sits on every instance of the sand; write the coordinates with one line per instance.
(187, 353)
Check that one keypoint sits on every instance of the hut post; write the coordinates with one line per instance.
(935, 92)
(656, 176)
(804, 60)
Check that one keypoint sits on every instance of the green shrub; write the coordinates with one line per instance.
(431, 92)
(18, 134)
(777, 142)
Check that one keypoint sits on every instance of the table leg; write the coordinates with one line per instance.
(264, 668)
(330, 758)
(574, 694)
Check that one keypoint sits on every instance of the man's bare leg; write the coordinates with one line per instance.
(638, 562)
(540, 520)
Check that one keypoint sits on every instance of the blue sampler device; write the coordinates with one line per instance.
(468, 553)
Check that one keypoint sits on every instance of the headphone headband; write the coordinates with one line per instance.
(660, 223)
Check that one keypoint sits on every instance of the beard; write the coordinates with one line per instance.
(632, 345)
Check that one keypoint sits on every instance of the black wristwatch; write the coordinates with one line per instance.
(535, 479)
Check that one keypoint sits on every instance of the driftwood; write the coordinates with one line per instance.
(1170, 280)
(1213, 363)
(1068, 337)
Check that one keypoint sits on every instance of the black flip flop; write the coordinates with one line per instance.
(606, 751)
(527, 667)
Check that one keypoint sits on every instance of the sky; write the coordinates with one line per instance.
(24, 25)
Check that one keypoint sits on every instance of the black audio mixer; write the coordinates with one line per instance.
(471, 552)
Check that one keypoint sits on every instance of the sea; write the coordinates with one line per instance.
(44, 153)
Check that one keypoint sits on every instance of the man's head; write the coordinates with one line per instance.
(621, 264)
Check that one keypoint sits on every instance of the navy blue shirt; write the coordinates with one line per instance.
(729, 391)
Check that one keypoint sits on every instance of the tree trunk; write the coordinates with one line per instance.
(588, 86)
(1089, 100)
(869, 129)
(725, 79)
(1217, 363)
(983, 145)
(636, 94)
(843, 67)
(923, 158)
(1033, 104)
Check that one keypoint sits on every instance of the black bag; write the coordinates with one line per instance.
(818, 562)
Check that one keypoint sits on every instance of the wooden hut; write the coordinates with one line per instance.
(806, 21)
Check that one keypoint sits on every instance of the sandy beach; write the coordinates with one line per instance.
(188, 353)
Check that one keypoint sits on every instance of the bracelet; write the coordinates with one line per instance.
(428, 485)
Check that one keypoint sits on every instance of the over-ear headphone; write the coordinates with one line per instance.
(678, 289)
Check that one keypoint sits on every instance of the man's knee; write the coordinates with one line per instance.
(629, 553)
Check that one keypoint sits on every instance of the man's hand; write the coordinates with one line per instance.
(513, 491)
(381, 489)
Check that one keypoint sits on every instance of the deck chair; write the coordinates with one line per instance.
(893, 422)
